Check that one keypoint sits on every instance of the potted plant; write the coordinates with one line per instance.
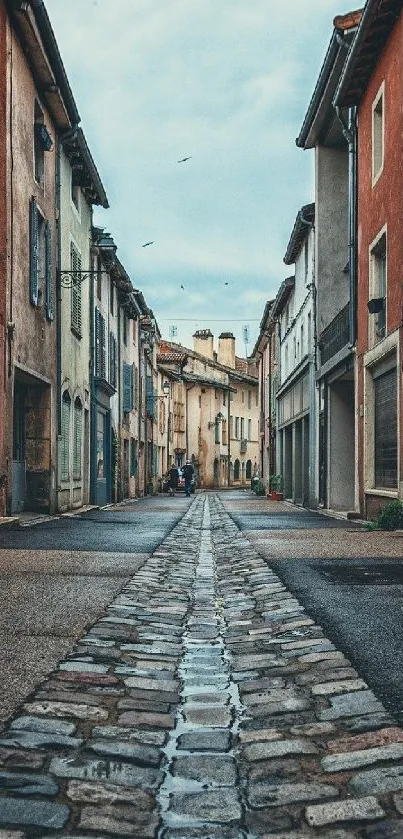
(276, 487)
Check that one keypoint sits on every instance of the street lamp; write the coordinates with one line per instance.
(219, 418)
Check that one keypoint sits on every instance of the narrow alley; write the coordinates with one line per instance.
(204, 702)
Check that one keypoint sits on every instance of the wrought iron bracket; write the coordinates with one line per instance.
(68, 279)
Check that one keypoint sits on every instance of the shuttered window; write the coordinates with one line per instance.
(113, 371)
(77, 439)
(133, 456)
(150, 401)
(65, 438)
(75, 262)
(100, 345)
(385, 388)
(33, 252)
(127, 388)
(48, 272)
(135, 386)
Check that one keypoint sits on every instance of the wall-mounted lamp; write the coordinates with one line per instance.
(219, 418)
(166, 387)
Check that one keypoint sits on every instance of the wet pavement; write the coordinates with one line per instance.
(204, 702)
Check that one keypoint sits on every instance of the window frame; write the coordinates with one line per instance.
(378, 134)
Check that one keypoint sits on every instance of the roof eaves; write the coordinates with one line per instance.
(77, 150)
(33, 25)
(283, 295)
(305, 218)
(377, 21)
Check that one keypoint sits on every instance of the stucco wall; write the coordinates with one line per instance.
(332, 233)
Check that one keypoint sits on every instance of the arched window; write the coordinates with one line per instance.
(248, 469)
(236, 470)
(65, 441)
(77, 438)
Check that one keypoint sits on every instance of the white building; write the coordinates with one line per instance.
(294, 310)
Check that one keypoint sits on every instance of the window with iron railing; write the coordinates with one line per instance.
(335, 336)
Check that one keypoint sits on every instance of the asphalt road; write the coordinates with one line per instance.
(358, 602)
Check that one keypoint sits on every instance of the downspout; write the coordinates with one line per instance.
(58, 292)
(261, 430)
(229, 439)
(92, 390)
(187, 424)
(118, 457)
(270, 424)
(350, 133)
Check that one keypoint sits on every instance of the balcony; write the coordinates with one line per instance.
(335, 336)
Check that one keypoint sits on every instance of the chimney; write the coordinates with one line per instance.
(226, 349)
(203, 343)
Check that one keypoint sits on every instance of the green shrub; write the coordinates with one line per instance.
(390, 517)
(276, 483)
(258, 488)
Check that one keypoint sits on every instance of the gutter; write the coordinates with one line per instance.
(350, 133)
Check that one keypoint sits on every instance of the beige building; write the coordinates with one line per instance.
(213, 409)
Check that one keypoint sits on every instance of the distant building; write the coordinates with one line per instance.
(214, 409)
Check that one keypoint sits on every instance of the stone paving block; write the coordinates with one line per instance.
(140, 719)
(273, 708)
(98, 793)
(367, 722)
(123, 820)
(280, 748)
(130, 752)
(159, 685)
(219, 770)
(210, 717)
(211, 832)
(32, 813)
(383, 737)
(11, 834)
(111, 771)
(379, 780)
(28, 784)
(81, 711)
(365, 757)
(272, 795)
(213, 806)
(204, 740)
(138, 735)
(398, 802)
(20, 759)
(38, 740)
(49, 726)
(347, 686)
(351, 704)
(301, 834)
(86, 678)
(315, 729)
(261, 735)
(358, 809)
(83, 667)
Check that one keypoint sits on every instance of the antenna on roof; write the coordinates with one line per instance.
(245, 335)
(173, 331)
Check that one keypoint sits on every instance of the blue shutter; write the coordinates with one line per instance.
(103, 345)
(33, 252)
(48, 272)
(97, 344)
(150, 401)
(127, 388)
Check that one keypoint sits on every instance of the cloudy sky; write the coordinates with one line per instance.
(226, 82)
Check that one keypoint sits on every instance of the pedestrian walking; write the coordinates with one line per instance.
(173, 479)
(188, 473)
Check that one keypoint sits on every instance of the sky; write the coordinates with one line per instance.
(226, 83)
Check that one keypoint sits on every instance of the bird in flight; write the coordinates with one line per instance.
(184, 159)
(146, 244)
(183, 287)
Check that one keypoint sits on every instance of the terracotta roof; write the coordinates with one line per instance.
(171, 357)
(347, 21)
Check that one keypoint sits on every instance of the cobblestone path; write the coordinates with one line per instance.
(204, 703)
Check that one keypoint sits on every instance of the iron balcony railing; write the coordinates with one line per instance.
(335, 336)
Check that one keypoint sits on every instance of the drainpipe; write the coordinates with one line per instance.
(350, 133)
(92, 391)
(229, 439)
(270, 424)
(58, 293)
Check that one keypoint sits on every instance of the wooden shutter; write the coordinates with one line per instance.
(97, 344)
(33, 252)
(65, 441)
(77, 439)
(127, 388)
(75, 262)
(103, 346)
(48, 272)
(150, 401)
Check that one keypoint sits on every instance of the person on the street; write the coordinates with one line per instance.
(188, 473)
(173, 479)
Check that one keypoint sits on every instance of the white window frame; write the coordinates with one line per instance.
(378, 134)
(373, 284)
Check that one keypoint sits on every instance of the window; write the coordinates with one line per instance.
(242, 428)
(378, 117)
(249, 398)
(40, 260)
(100, 348)
(249, 429)
(224, 432)
(237, 428)
(133, 456)
(65, 437)
(385, 394)
(378, 289)
(127, 388)
(77, 439)
(248, 472)
(306, 260)
(302, 341)
(217, 431)
(125, 328)
(112, 299)
(113, 360)
(75, 263)
(236, 470)
(39, 150)
(231, 427)
(224, 398)
(242, 397)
